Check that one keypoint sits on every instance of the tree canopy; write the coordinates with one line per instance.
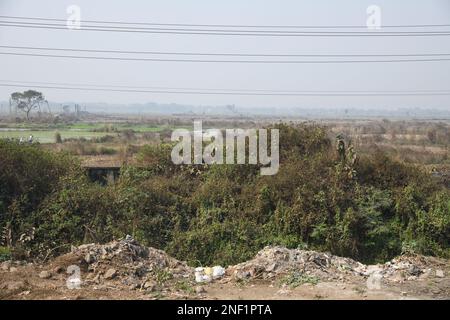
(27, 101)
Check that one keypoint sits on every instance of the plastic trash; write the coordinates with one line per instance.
(208, 271)
(201, 276)
(218, 272)
(207, 274)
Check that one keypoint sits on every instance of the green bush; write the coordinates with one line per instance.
(371, 210)
(28, 175)
(58, 138)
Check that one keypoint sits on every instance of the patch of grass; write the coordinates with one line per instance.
(5, 254)
(162, 276)
(185, 286)
(297, 278)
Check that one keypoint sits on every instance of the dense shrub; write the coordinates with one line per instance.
(370, 208)
(28, 175)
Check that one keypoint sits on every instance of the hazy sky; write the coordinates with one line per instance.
(326, 77)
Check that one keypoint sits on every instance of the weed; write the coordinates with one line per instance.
(185, 286)
(297, 278)
(162, 276)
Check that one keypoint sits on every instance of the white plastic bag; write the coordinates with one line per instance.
(218, 272)
(201, 276)
(208, 274)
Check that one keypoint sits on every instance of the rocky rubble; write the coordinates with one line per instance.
(124, 262)
(272, 262)
(407, 268)
(125, 267)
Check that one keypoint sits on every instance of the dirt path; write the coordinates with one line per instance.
(25, 284)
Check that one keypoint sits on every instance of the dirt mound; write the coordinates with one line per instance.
(274, 261)
(412, 267)
(123, 262)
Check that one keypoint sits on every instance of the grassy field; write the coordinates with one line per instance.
(45, 133)
(48, 136)
(116, 127)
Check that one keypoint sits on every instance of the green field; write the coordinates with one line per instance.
(45, 133)
(116, 127)
(48, 136)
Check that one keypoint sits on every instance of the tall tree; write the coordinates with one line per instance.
(27, 100)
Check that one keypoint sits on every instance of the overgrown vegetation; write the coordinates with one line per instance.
(369, 207)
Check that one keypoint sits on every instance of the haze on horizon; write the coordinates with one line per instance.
(408, 76)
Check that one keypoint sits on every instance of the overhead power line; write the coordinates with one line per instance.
(92, 85)
(219, 32)
(230, 25)
(113, 28)
(222, 61)
(258, 93)
(228, 54)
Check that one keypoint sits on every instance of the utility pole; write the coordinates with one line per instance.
(48, 107)
(77, 109)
